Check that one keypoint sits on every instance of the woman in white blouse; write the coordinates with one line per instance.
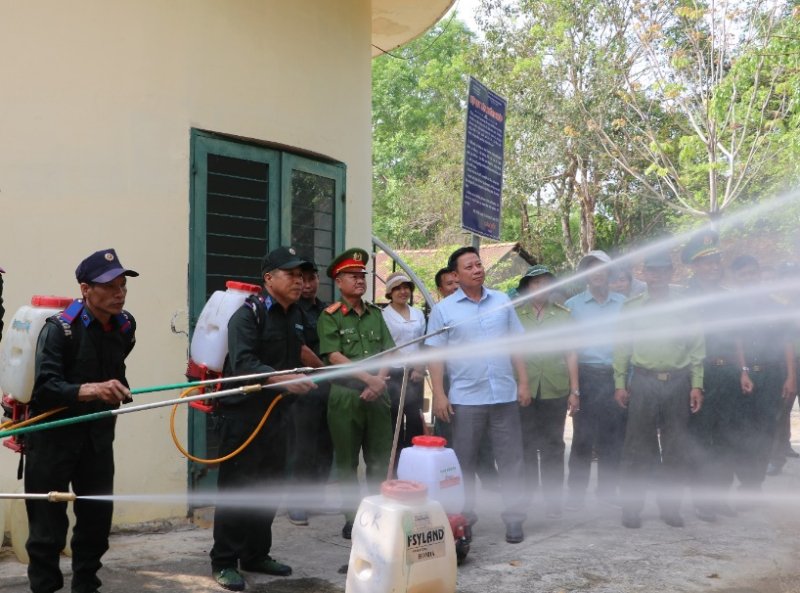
(405, 324)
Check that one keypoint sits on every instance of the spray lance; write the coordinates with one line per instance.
(49, 497)
(160, 404)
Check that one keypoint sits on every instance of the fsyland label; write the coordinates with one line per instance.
(425, 545)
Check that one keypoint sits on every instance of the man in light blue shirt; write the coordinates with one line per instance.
(600, 424)
(483, 393)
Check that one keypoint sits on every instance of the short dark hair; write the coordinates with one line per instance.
(439, 274)
(743, 261)
(452, 261)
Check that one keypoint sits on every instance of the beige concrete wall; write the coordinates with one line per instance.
(97, 105)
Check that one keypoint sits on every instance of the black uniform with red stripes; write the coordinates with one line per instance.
(73, 348)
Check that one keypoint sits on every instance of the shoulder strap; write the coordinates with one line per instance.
(124, 322)
(333, 308)
(68, 315)
(72, 312)
(256, 304)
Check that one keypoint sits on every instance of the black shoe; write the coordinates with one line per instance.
(631, 520)
(789, 452)
(705, 514)
(725, 510)
(269, 566)
(672, 518)
(514, 533)
(230, 579)
(347, 530)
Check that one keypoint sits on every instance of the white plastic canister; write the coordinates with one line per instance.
(402, 543)
(18, 349)
(210, 339)
(428, 461)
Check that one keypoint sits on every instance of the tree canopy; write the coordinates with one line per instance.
(625, 118)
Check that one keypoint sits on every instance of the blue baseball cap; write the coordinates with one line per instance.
(101, 266)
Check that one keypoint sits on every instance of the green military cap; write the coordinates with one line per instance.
(658, 259)
(532, 272)
(537, 270)
(350, 258)
(701, 245)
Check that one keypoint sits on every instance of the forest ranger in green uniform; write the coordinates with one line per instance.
(666, 387)
(553, 383)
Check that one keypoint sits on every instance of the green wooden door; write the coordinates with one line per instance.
(246, 200)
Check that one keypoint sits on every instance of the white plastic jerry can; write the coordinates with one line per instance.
(428, 461)
(402, 543)
(210, 339)
(18, 349)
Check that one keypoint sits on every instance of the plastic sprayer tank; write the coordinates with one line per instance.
(210, 338)
(436, 466)
(402, 543)
(18, 349)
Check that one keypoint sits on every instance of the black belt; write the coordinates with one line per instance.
(661, 375)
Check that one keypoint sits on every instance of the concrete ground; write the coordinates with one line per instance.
(584, 551)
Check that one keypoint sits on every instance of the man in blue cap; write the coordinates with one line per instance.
(80, 369)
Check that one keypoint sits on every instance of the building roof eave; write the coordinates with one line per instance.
(397, 22)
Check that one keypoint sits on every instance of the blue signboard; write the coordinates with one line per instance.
(483, 161)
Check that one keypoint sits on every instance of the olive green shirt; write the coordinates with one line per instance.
(342, 330)
(640, 341)
(547, 371)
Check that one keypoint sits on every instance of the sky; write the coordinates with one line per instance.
(466, 11)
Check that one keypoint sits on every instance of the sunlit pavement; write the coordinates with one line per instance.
(584, 551)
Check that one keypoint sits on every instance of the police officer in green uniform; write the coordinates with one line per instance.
(311, 450)
(264, 335)
(359, 416)
(666, 387)
(768, 378)
(712, 428)
(553, 383)
(80, 366)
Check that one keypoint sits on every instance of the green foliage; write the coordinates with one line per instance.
(624, 120)
(416, 113)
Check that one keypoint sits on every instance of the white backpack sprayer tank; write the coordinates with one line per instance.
(210, 339)
(429, 462)
(17, 373)
(209, 345)
(18, 349)
(402, 543)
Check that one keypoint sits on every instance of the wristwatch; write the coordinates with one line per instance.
(745, 369)
(576, 393)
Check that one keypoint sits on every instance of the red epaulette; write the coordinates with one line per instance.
(333, 308)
